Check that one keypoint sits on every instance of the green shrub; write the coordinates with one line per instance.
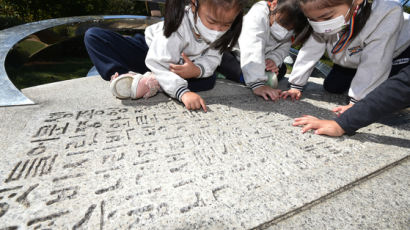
(35, 10)
(9, 21)
(406, 9)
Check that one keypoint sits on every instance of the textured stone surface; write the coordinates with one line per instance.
(81, 158)
(380, 203)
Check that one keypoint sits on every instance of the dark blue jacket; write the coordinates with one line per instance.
(392, 95)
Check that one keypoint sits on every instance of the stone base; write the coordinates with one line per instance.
(83, 159)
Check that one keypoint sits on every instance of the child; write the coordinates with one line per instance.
(263, 45)
(182, 52)
(361, 38)
(392, 95)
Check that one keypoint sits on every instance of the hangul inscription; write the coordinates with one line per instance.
(146, 119)
(81, 141)
(88, 114)
(82, 126)
(57, 116)
(36, 167)
(115, 136)
(148, 212)
(38, 150)
(50, 131)
(105, 134)
(59, 195)
(119, 124)
(116, 111)
(17, 192)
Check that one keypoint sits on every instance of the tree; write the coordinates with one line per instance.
(34, 10)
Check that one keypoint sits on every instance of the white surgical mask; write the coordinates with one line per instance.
(279, 32)
(331, 26)
(206, 34)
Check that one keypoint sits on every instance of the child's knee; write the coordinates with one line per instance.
(92, 33)
(333, 87)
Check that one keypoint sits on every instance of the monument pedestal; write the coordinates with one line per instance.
(80, 158)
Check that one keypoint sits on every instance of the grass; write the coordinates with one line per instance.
(30, 46)
(327, 61)
(38, 73)
(324, 60)
(33, 62)
(25, 49)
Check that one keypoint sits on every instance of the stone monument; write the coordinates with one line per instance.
(80, 158)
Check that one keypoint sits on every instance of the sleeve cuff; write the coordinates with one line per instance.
(342, 123)
(353, 101)
(298, 87)
(255, 85)
(181, 92)
(202, 69)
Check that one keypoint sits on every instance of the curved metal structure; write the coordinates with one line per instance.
(49, 32)
(53, 31)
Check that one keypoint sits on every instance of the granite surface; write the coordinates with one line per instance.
(380, 203)
(80, 158)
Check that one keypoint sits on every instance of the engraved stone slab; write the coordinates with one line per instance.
(83, 159)
(365, 207)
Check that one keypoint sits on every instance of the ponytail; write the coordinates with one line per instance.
(303, 36)
(173, 15)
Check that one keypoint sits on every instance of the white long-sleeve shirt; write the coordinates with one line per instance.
(256, 44)
(385, 35)
(165, 51)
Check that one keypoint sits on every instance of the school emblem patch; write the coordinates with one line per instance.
(355, 50)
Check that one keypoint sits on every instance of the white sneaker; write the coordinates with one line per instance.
(134, 85)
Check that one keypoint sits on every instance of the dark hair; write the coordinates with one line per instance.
(291, 15)
(174, 13)
(360, 20)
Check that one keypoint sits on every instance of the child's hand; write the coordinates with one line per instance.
(341, 109)
(267, 92)
(271, 66)
(321, 127)
(186, 70)
(292, 93)
(193, 101)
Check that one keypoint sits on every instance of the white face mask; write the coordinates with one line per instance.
(331, 26)
(206, 34)
(279, 32)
